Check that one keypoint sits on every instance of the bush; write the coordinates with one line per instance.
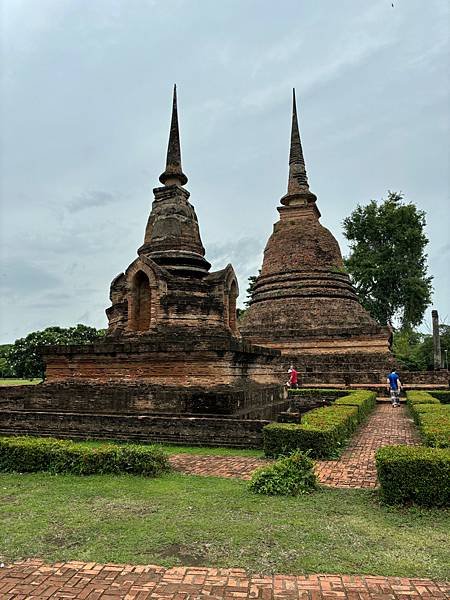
(435, 427)
(418, 397)
(364, 400)
(442, 395)
(323, 431)
(290, 476)
(313, 394)
(414, 474)
(28, 455)
(417, 410)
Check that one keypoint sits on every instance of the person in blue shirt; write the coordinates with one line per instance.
(394, 387)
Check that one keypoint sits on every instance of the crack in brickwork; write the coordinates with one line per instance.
(356, 468)
(33, 579)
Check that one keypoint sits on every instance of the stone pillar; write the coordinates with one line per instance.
(436, 340)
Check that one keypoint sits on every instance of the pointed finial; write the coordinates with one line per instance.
(298, 187)
(298, 179)
(173, 173)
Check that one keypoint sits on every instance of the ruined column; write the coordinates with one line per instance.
(436, 340)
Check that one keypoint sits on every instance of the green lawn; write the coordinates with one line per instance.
(180, 519)
(19, 381)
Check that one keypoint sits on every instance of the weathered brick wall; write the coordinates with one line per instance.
(215, 431)
(192, 361)
(140, 398)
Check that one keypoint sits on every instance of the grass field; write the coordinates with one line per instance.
(19, 381)
(180, 519)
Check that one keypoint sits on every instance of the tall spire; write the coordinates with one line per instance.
(298, 180)
(173, 173)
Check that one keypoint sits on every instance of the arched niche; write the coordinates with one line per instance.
(141, 302)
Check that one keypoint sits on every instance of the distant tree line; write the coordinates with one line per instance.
(23, 359)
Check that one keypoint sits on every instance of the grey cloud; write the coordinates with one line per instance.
(91, 199)
(26, 277)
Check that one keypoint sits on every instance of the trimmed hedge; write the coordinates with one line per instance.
(323, 431)
(432, 418)
(417, 410)
(28, 455)
(414, 474)
(415, 397)
(321, 394)
(290, 476)
(442, 395)
(435, 427)
(365, 401)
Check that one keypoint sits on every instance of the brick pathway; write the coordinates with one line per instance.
(33, 579)
(355, 469)
(386, 426)
(216, 466)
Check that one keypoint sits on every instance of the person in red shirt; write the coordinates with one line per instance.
(293, 377)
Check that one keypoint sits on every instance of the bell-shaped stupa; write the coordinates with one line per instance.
(303, 300)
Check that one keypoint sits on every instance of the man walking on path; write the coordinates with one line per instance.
(395, 386)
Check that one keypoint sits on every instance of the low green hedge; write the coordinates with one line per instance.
(290, 476)
(323, 431)
(28, 455)
(418, 397)
(364, 400)
(417, 410)
(432, 418)
(414, 474)
(321, 394)
(435, 427)
(442, 395)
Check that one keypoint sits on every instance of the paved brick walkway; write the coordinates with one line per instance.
(355, 469)
(386, 426)
(33, 579)
(217, 466)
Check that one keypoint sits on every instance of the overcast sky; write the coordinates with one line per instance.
(86, 95)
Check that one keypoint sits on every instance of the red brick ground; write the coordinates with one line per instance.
(355, 469)
(33, 579)
(386, 426)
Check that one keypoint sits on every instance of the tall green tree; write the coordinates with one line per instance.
(24, 357)
(387, 261)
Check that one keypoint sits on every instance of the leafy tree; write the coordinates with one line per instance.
(5, 368)
(414, 350)
(251, 288)
(387, 261)
(24, 357)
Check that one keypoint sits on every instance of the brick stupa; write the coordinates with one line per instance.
(303, 302)
(172, 366)
(169, 285)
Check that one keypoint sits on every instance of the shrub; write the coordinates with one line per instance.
(323, 431)
(364, 400)
(435, 428)
(290, 476)
(414, 474)
(418, 397)
(417, 410)
(313, 394)
(442, 395)
(28, 455)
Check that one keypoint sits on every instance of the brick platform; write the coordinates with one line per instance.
(33, 579)
(355, 469)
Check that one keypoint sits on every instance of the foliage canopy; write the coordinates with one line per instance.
(387, 261)
(24, 357)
